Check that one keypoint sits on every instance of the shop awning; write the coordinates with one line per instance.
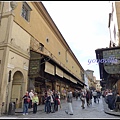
(49, 68)
(59, 72)
(66, 76)
(81, 84)
(73, 80)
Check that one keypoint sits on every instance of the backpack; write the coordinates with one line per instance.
(69, 98)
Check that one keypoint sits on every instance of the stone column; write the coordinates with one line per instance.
(6, 22)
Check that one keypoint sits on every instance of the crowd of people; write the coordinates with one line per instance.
(112, 98)
(30, 100)
(52, 101)
(86, 95)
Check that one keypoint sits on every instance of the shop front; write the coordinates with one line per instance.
(45, 73)
(109, 67)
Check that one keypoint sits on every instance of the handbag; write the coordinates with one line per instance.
(58, 101)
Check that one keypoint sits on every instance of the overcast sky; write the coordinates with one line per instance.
(84, 26)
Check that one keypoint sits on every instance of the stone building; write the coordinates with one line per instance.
(91, 79)
(98, 86)
(33, 54)
(110, 65)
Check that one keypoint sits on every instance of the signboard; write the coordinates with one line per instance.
(111, 60)
(34, 67)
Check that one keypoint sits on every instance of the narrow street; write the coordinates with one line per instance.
(93, 111)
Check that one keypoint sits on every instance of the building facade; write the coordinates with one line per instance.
(33, 54)
(98, 86)
(91, 79)
(113, 24)
(86, 80)
(109, 70)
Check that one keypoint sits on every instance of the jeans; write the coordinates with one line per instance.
(52, 107)
(56, 105)
(48, 107)
(25, 107)
(45, 108)
(95, 99)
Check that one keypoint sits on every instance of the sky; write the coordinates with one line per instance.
(84, 26)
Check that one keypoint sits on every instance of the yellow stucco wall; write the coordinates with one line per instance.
(17, 60)
(1, 56)
(20, 37)
(3, 28)
(40, 30)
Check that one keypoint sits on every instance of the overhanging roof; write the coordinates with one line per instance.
(51, 60)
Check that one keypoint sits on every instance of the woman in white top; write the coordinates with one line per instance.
(31, 94)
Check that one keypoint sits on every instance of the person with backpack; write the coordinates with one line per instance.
(82, 97)
(88, 97)
(94, 95)
(69, 101)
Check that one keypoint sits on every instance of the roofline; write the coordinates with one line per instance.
(47, 16)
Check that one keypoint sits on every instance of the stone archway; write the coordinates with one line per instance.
(17, 88)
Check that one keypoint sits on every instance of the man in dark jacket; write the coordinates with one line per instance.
(110, 100)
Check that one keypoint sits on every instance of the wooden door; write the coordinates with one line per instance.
(16, 90)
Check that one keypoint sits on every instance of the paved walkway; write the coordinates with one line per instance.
(93, 111)
(41, 108)
(106, 109)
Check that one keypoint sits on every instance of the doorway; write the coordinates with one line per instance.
(17, 89)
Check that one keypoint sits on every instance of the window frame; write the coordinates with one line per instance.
(28, 11)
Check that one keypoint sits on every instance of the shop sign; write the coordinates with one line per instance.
(113, 66)
(34, 67)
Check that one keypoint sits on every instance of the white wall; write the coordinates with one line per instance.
(113, 23)
(86, 80)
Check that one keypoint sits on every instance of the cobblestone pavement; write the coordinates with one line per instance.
(94, 111)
